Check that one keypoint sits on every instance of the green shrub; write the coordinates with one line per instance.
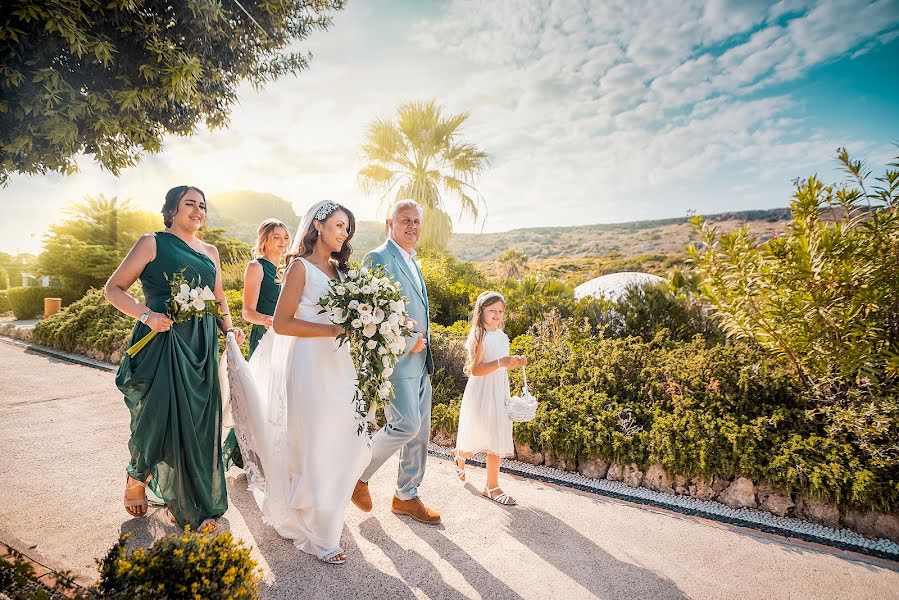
(28, 302)
(452, 286)
(700, 409)
(445, 416)
(448, 349)
(4, 279)
(90, 323)
(186, 565)
(4, 302)
(235, 306)
(648, 309)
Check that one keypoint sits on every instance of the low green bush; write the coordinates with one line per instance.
(186, 565)
(4, 279)
(448, 349)
(90, 323)
(698, 409)
(4, 302)
(28, 302)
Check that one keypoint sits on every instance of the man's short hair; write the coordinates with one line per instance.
(403, 204)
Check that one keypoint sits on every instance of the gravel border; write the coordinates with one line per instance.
(789, 527)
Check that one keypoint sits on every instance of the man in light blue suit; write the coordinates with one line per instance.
(409, 413)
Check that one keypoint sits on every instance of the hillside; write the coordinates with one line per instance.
(241, 212)
(559, 250)
(664, 236)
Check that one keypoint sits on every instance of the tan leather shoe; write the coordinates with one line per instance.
(416, 509)
(361, 497)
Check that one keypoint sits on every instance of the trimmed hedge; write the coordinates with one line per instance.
(4, 302)
(91, 323)
(725, 410)
(28, 302)
(4, 279)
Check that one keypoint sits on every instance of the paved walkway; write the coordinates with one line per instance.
(63, 436)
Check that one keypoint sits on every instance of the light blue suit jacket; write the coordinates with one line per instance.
(389, 256)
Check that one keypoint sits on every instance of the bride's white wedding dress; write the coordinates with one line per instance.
(293, 412)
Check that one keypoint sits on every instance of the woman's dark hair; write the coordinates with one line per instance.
(173, 198)
(307, 243)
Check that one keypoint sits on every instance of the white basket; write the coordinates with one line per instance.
(522, 409)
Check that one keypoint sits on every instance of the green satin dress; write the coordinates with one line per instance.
(171, 388)
(269, 291)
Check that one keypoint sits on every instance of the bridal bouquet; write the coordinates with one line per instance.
(372, 311)
(188, 301)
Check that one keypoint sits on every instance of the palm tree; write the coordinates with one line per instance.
(512, 264)
(419, 156)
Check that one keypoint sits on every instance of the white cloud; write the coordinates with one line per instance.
(592, 111)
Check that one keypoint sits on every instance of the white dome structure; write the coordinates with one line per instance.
(612, 286)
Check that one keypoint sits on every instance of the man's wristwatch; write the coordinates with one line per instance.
(145, 316)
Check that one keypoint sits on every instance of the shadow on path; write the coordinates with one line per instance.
(295, 574)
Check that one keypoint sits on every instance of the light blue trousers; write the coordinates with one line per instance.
(408, 430)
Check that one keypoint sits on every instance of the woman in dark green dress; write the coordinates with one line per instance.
(260, 284)
(260, 296)
(171, 385)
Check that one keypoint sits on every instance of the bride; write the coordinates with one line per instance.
(292, 404)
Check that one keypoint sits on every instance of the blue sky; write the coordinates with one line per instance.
(592, 112)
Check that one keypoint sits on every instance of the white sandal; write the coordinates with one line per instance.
(460, 471)
(337, 557)
(504, 498)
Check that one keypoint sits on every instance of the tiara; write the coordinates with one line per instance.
(323, 212)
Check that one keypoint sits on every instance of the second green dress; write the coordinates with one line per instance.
(269, 291)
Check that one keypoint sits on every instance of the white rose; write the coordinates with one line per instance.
(377, 315)
(382, 350)
(184, 290)
(371, 344)
(366, 289)
(352, 287)
(352, 274)
(385, 328)
(366, 318)
(397, 306)
(370, 330)
(194, 293)
(393, 319)
(353, 305)
(364, 272)
(198, 304)
(385, 360)
(388, 371)
(410, 323)
(341, 290)
(356, 323)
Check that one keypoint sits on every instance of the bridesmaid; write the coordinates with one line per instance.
(171, 386)
(260, 286)
(260, 295)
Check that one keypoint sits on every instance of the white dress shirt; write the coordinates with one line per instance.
(410, 262)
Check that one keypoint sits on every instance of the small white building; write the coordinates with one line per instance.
(612, 286)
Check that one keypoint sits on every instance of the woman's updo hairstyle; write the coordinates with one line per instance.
(173, 198)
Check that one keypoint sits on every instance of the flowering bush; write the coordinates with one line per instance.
(372, 311)
(186, 565)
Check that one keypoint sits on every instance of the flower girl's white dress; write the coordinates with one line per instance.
(483, 423)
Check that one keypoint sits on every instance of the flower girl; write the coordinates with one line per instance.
(483, 423)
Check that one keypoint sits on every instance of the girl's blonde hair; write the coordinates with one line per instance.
(266, 228)
(475, 342)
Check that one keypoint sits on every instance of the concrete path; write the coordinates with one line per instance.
(63, 437)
